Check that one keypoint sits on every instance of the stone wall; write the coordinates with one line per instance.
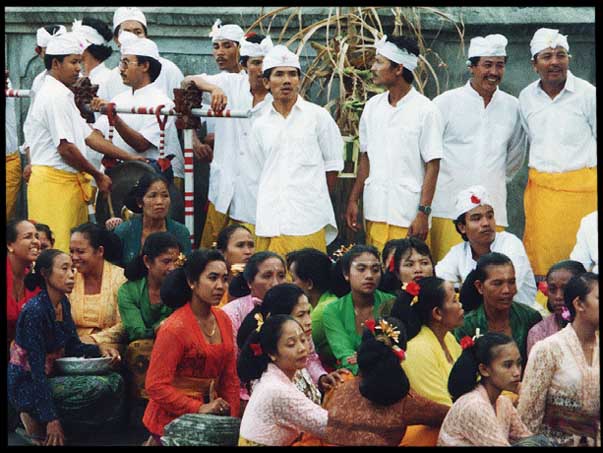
(181, 34)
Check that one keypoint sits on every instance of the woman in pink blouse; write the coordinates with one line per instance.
(556, 279)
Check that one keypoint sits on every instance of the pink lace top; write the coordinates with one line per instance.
(473, 421)
(277, 412)
(545, 328)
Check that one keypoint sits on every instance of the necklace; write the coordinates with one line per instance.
(211, 334)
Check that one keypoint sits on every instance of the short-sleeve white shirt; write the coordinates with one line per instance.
(457, 264)
(295, 152)
(146, 125)
(35, 88)
(399, 141)
(482, 145)
(55, 116)
(562, 131)
(586, 249)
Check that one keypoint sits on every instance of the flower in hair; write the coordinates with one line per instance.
(181, 260)
(388, 330)
(411, 288)
(236, 269)
(399, 353)
(543, 286)
(467, 342)
(341, 251)
(370, 325)
(565, 314)
(477, 334)
(391, 265)
(475, 199)
(213, 245)
(260, 319)
(256, 348)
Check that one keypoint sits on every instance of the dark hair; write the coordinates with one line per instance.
(135, 195)
(279, 300)
(339, 285)
(252, 37)
(11, 229)
(99, 51)
(251, 366)
(154, 245)
(490, 259)
(48, 60)
(460, 220)
(411, 46)
(43, 228)
(388, 247)
(42, 269)
(154, 66)
(473, 61)
(391, 280)
(579, 286)
(469, 296)
(463, 376)
(431, 295)
(225, 234)
(312, 264)
(175, 291)
(239, 286)
(573, 267)
(382, 379)
(355, 252)
(99, 236)
(268, 72)
(116, 31)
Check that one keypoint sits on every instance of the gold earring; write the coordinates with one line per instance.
(11, 250)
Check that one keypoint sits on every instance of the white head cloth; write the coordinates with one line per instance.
(252, 49)
(230, 32)
(490, 46)
(90, 34)
(470, 198)
(66, 44)
(545, 38)
(280, 56)
(128, 13)
(42, 36)
(392, 52)
(133, 45)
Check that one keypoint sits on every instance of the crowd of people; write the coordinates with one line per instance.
(442, 329)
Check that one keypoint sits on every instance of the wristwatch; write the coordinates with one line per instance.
(425, 209)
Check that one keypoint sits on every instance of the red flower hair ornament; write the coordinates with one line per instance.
(467, 342)
(370, 325)
(543, 286)
(256, 348)
(412, 288)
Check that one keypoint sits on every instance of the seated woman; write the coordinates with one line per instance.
(376, 407)
(94, 296)
(45, 235)
(494, 288)
(344, 319)
(312, 271)
(23, 248)
(193, 352)
(480, 415)
(560, 392)
(556, 280)
(431, 310)
(411, 260)
(237, 245)
(278, 412)
(46, 332)
(151, 199)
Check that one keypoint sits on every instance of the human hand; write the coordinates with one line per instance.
(419, 227)
(351, 216)
(112, 353)
(54, 433)
(202, 151)
(96, 103)
(217, 407)
(103, 182)
(27, 172)
(218, 100)
(329, 381)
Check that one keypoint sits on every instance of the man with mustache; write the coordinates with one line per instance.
(484, 142)
(559, 113)
(475, 222)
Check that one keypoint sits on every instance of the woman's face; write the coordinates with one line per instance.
(365, 273)
(556, 282)
(45, 242)
(301, 313)
(271, 272)
(452, 310)
(504, 371)
(589, 308)
(240, 247)
(85, 257)
(62, 276)
(27, 245)
(162, 265)
(414, 266)
(292, 348)
(156, 201)
(212, 283)
(499, 287)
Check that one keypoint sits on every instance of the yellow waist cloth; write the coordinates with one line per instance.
(214, 222)
(378, 233)
(248, 443)
(13, 182)
(554, 205)
(285, 244)
(194, 387)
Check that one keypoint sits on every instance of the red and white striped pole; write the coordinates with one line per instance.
(189, 198)
(17, 93)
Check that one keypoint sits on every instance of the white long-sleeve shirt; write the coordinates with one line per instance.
(586, 249)
(12, 140)
(482, 145)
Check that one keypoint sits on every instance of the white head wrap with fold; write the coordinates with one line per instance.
(230, 32)
(545, 38)
(252, 49)
(490, 46)
(128, 13)
(42, 35)
(392, 52)
(66, 44)
(90, 34)
(470, 198)
(280, 56)
(133, 45)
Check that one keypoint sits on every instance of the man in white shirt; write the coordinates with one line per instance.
(484, 142)
(586, 249)
(559, 114)
(138, 134)
(476, 223)
(300, 149)
(400, 150)
(13, 161)
(235, 169)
